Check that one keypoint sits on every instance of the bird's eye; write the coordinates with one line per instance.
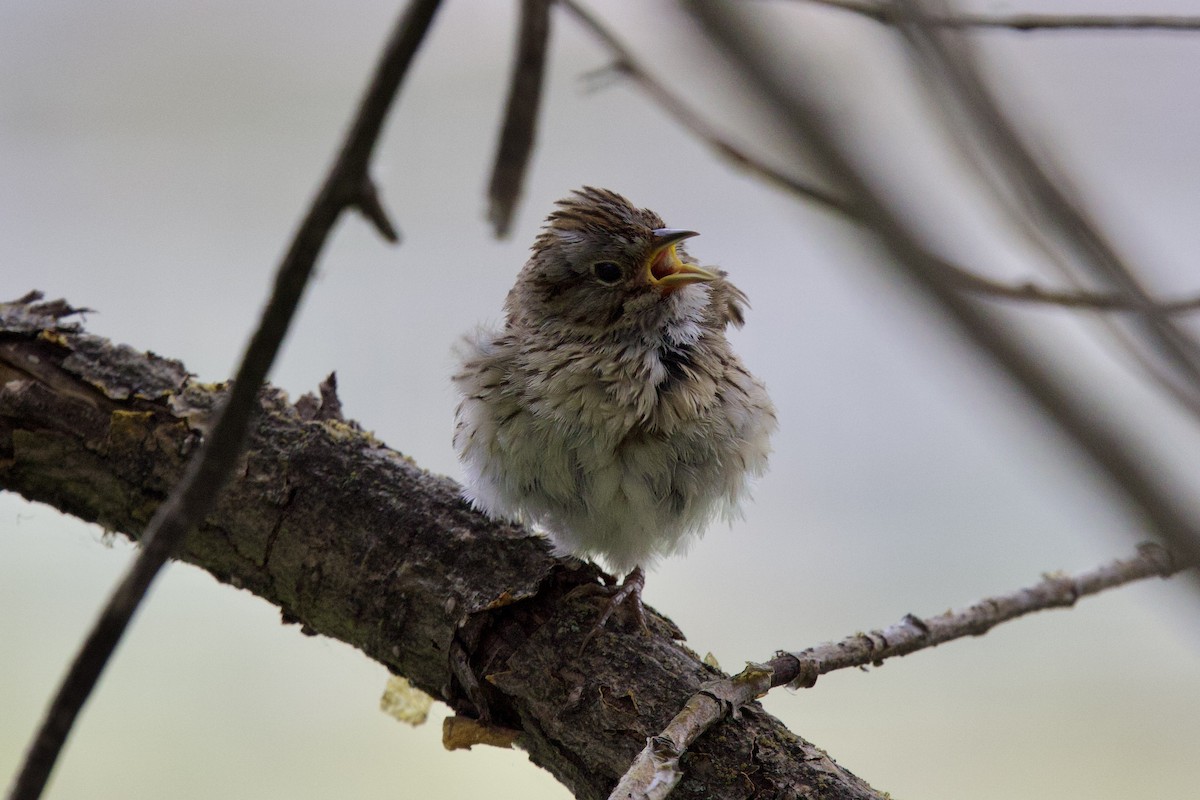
(607, 271)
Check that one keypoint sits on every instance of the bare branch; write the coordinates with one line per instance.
(1117, 456)
(655, 772)
(347, 185)
(801, 669)
(1029, 218)
(687, 117)
(520, 118)
(1041, 185)
(353, 540)
(887, 12)
(627, 64)
(1065, 298)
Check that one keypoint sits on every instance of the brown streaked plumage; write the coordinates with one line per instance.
(610, 409)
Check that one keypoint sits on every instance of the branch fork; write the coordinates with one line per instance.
(650, 775)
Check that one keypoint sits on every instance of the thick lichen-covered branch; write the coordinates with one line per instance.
(353, 540)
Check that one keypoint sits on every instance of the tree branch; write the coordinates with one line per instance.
(626, 63)
(520, 116)
(801, 669)
(352, 540)
(1164, 354)
(655, 772)
(988, 288)
(887, 13)
(347, 185)
(1113, 452)
(1041, 186)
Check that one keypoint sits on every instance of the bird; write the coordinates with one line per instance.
(610, 410)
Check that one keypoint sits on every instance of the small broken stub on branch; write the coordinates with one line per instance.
(328, 406)
(460, 733)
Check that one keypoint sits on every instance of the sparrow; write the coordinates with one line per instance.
(610, 411)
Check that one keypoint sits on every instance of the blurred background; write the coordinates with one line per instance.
(155, 157)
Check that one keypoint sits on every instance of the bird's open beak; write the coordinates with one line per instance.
(665, 269)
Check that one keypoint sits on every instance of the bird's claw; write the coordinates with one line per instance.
(627, 596)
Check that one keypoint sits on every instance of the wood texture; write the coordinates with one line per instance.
(353, 540)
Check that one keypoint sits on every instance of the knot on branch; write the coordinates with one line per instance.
(745, 687)
(804, 669)
(1163, 560)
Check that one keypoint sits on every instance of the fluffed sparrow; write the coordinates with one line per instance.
(610, 409)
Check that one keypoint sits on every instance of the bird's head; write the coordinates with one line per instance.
(602, 264)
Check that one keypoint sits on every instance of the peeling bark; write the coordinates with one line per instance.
(353, 540)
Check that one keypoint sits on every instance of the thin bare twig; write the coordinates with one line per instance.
(801, 669)
(520, 117)
(886, 12)
(627, 64)
(656, 769)
(347, 185)
(1065, 298)
(973, 135)
(1119, 458)
(1040, 185)
(962, 127)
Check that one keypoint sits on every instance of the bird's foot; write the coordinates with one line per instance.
(627, 596)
